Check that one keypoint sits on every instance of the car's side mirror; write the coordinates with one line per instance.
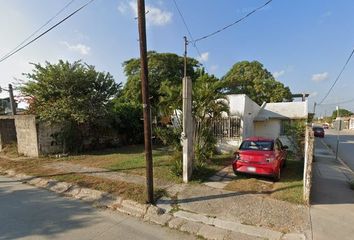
(285, 147)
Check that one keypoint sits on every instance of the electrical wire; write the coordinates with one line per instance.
(231, 24)
(189, 32)
(339, 75)
(338, 103)
(40, 28)
(45, 32)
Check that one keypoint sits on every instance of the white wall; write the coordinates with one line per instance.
(241, 105)
(269, 128)
(250, 112)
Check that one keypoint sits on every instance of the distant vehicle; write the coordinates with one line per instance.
(261, 156)
(325, 126)
(318, 132)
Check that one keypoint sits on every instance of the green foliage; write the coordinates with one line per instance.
(169, 136)
(252, 79)
(165, 73)
(127, 121)
(208, 103)
(177, 164)
(71, 95)
(342, 113)
(295, 131)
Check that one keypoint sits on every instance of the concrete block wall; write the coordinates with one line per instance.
(27, 141)
(46, 142)
(7, 131)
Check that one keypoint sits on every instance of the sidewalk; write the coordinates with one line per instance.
(332, 210)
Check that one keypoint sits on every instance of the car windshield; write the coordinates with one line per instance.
(318, 129)
(257, 145)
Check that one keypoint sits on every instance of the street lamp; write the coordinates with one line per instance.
(12, 100)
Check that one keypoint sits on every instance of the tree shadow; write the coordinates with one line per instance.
(30, 212)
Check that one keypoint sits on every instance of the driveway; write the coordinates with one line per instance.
(32, 213)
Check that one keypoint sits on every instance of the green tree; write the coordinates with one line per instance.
(252, 79)
(165, 72)
(208, 104)
(342, 113)
(70, 95)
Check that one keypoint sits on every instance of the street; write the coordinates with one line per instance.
(346, 144)
(332, 200)
(31, 213)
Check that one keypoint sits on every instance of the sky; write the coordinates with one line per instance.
(303, 43)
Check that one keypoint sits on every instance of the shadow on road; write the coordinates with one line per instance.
(34, 213)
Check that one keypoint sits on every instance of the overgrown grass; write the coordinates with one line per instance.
(10, 150)
(289, 188)
(34, 167)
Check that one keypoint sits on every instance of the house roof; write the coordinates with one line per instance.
(283, 110)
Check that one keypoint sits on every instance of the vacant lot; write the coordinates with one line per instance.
(129, 160)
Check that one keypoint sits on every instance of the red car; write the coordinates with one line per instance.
(261, 156)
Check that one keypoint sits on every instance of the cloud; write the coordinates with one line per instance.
(278, 74)
(213, 68)
(204, 57)
(122, 8)
(319, 77)
(313, 94)
(154, 17)
(80, 48)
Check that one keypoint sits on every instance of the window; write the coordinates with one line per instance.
(283, 126)
(257, 145)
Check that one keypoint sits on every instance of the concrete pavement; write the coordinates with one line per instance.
(332, 210)
(34, 214)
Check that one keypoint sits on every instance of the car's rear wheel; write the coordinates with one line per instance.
(276, 176)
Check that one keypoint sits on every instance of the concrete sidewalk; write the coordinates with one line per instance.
(332, 210)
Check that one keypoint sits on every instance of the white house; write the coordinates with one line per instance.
(267, 120)
(351, 122)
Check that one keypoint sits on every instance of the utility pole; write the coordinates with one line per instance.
(146, 100)
(314, 108)
(12, 100)
(188, 126)
(185, 56)
(339, 125)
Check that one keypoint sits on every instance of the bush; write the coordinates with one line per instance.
(177, 164)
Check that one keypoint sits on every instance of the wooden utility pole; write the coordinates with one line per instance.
(146, 100)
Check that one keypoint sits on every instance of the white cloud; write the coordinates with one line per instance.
(318, 77)
(204, 57)
(213, 68)
(80, 48)
(313, 94)
(278, 74)
(154, 16)
(122, 8)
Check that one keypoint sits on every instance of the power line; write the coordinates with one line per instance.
(40, 28)
(231, 24)
(189, 31)
(45, 32)
(339, 103)
(339, 75)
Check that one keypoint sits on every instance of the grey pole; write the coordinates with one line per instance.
(12, 100)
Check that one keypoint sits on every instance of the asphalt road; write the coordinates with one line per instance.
(346, 144)
(31, 213)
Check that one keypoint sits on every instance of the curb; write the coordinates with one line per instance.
(198, 224)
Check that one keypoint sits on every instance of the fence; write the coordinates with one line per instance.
(227, 127)
(309, 150)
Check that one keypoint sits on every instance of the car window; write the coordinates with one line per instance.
(257, 145)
